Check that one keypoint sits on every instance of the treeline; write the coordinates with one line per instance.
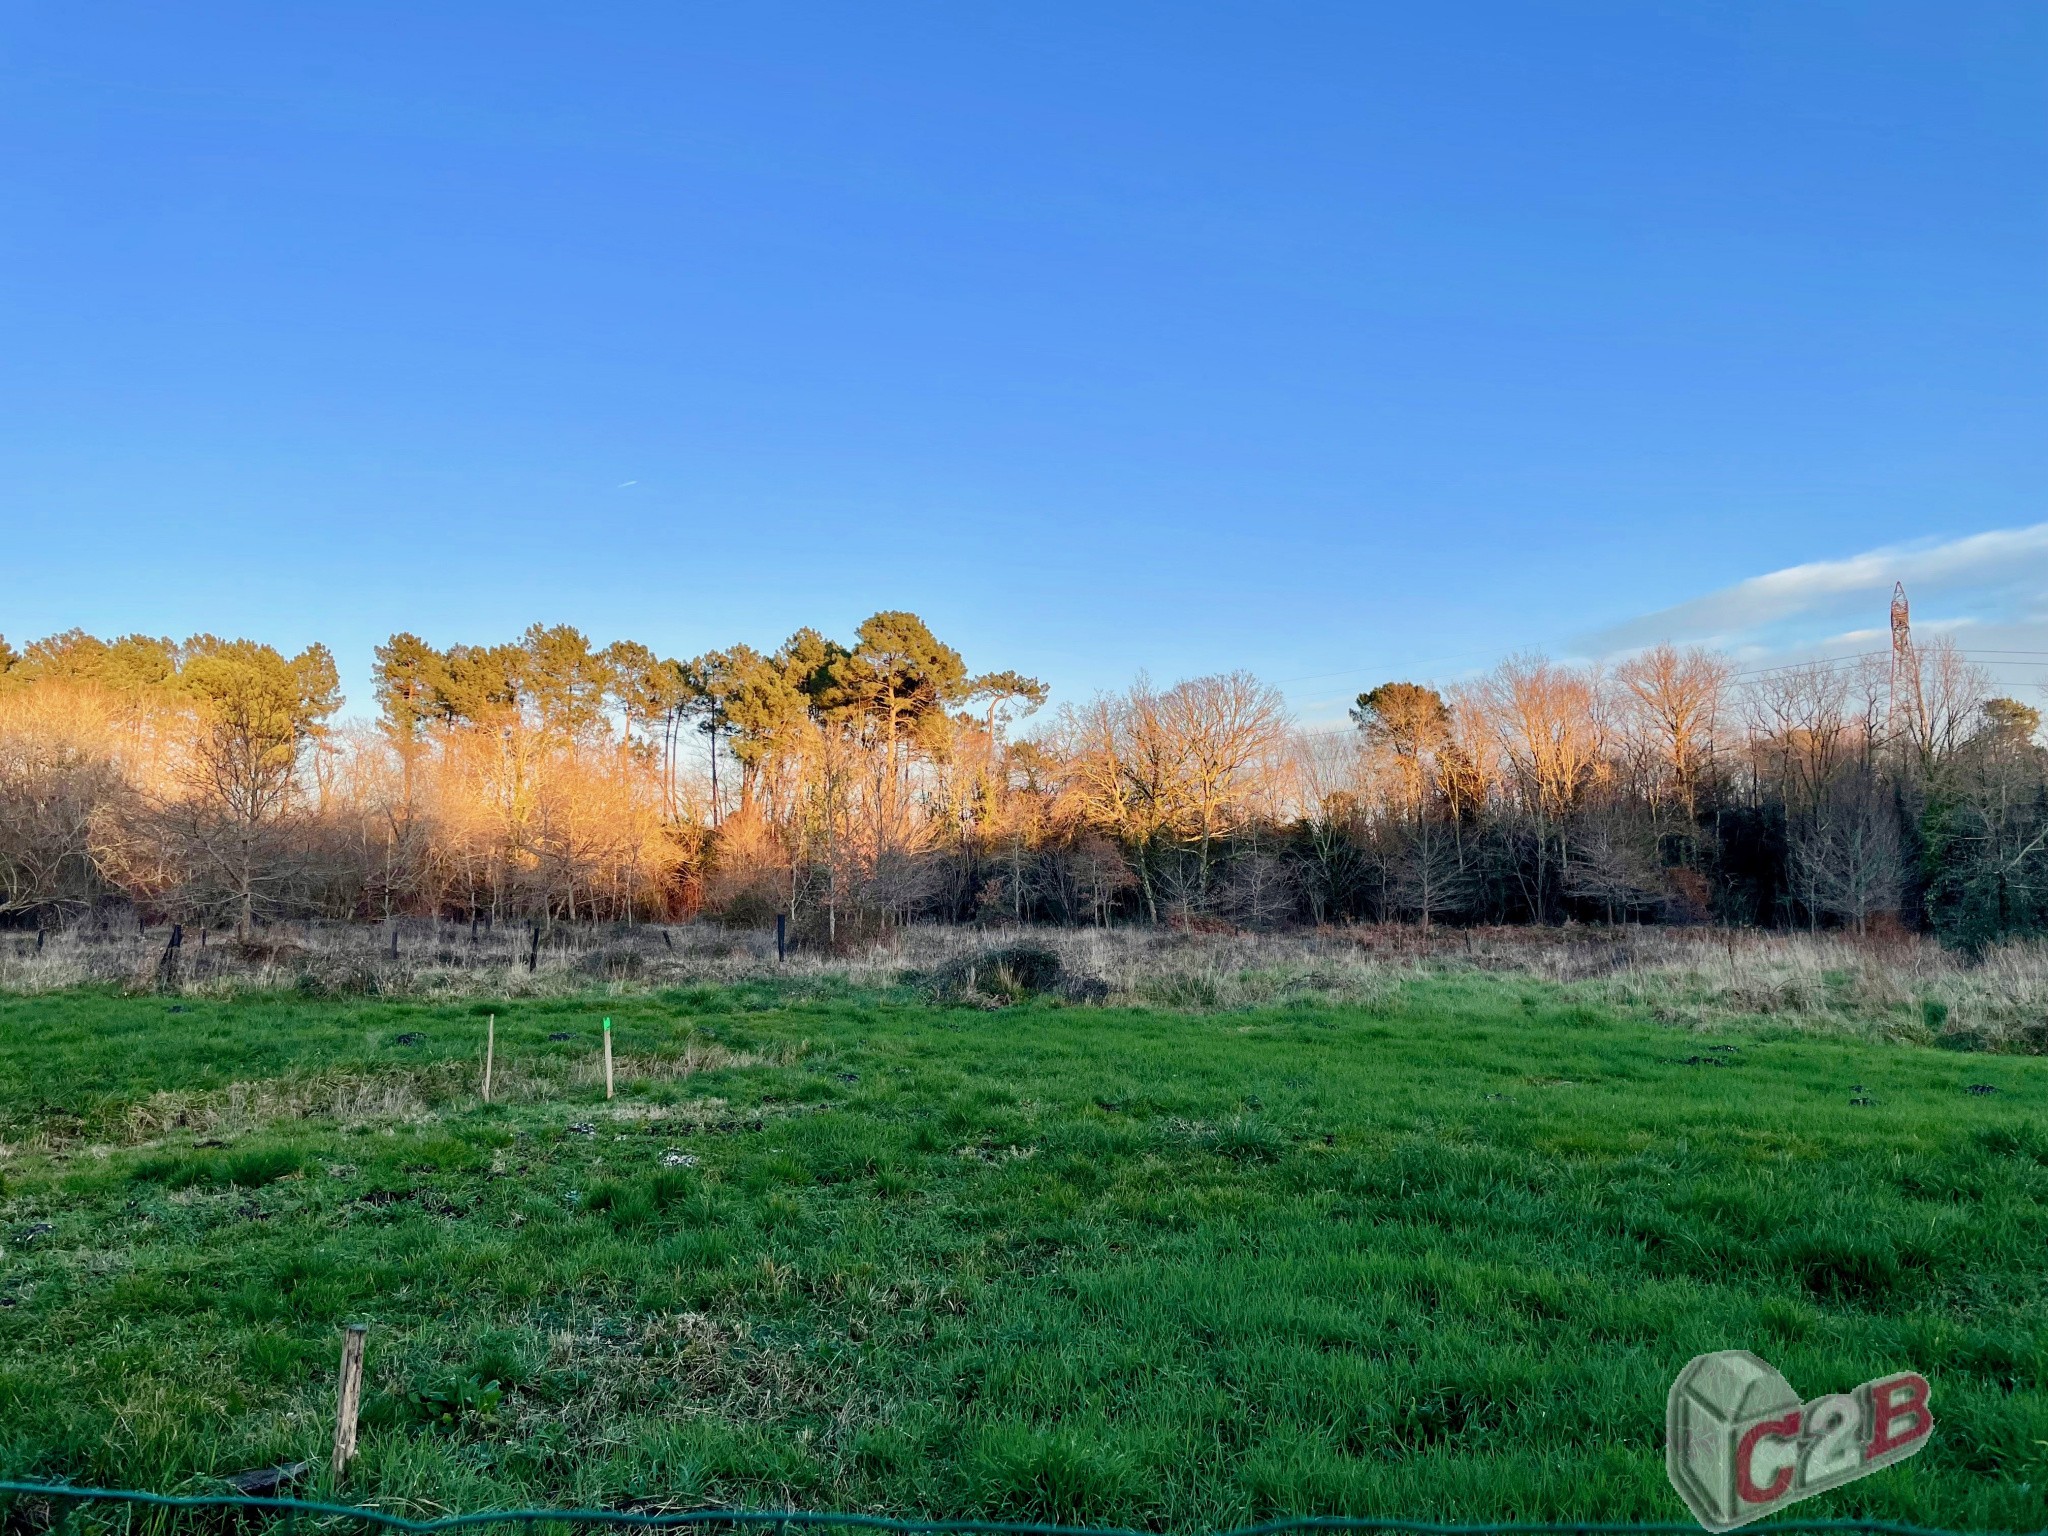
(853, 786)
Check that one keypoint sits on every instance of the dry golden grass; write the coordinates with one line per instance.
(398, 1095)
(1900, 987)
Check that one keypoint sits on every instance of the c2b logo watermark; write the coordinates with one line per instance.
(1739, 1444)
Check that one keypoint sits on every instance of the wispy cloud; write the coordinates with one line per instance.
(2000, 576)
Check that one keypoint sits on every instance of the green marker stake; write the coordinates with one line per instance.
(607, 1058)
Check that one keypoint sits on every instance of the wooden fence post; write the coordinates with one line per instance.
(349, 1398)
(167, 962)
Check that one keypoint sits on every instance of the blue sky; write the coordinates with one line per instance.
(1340, 342)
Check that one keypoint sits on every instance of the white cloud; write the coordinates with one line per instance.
(1985, 578)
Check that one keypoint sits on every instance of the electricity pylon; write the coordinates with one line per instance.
(1906, 706)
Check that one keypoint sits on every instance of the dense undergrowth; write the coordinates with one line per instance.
(1434, 1251)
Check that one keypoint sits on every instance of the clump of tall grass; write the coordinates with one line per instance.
(1899, 988)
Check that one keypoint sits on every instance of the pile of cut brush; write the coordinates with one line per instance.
(994, 978)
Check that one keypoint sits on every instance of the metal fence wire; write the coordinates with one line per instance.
(30, 1508)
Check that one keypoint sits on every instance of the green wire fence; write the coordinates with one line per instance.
(68, 1498)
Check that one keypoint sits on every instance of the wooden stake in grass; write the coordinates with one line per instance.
(349, 1399)
(607, 1058)
(490, 1049)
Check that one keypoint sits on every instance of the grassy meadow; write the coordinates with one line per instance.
(1437, 1253)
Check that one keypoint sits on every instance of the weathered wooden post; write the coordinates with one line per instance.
(348, 1398)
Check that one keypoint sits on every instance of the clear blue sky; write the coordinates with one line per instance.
(1366, 340)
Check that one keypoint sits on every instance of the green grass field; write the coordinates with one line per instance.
(1440, 1258)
